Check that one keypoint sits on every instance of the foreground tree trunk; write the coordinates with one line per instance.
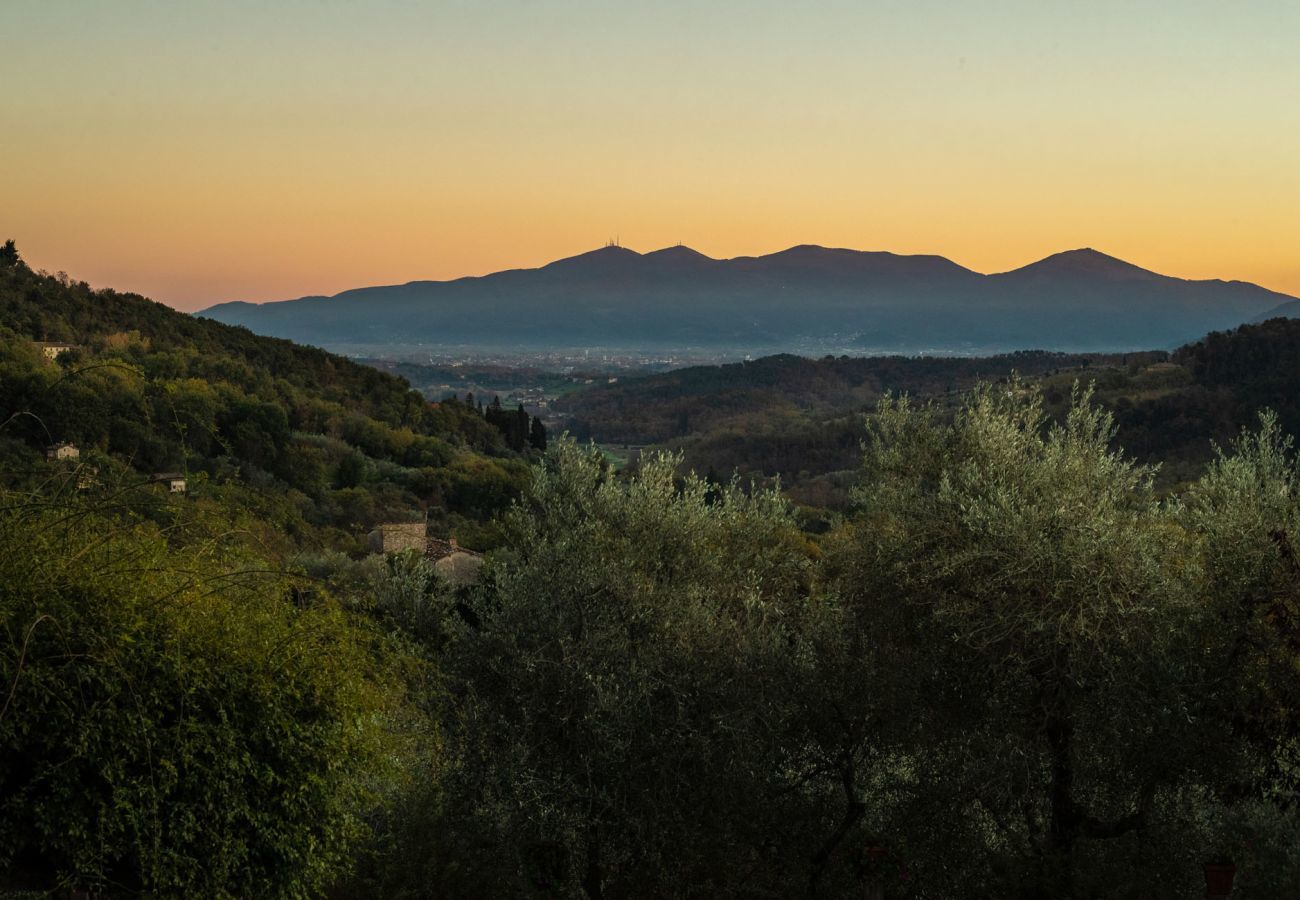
(854, 810)
(591, 879)
(1056, 867)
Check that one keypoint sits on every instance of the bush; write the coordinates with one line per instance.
(173, 722)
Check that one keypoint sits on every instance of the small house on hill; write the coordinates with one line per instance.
(394, 537)
(63, 450)
(52, 350)
(175, 481)
(453, 562)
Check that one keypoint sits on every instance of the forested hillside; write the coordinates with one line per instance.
(678, 403)
(198, 694)
(323, 446)
(792, 417)
(1173, 413)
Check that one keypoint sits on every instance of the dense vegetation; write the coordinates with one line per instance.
(1013, 668)
(1015, 672)
(794, 418)
(173, 721)
(187, 707)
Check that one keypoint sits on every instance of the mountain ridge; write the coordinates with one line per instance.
(805, 295)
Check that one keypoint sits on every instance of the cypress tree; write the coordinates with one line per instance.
(537, 435)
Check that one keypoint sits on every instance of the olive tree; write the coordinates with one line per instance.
(1245, 513)
(625, 688)
(1030, 584)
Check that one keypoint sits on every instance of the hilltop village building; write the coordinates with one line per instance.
(87, 475)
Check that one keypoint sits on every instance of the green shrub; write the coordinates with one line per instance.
(172, 722)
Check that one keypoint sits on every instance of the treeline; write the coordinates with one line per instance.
(695, 400)
(519, 430)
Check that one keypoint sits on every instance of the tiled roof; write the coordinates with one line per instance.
(437, 548)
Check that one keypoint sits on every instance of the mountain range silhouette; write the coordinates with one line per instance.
(1078, 300)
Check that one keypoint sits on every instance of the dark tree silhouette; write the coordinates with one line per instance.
(537, 435)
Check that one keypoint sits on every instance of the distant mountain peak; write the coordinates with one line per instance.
(609, 251)
(846, 263)
(678, 251)
(679, 260)
(1087, 262)
(603, 260)
(814, 251)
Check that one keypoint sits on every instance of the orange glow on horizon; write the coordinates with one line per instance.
(197, 155)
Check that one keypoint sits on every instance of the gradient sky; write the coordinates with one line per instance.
(199, 152)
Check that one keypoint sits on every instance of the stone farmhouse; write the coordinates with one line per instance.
(455, 563)
(394, 537)
(63, 450)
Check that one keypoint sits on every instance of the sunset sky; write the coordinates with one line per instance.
(200, 152)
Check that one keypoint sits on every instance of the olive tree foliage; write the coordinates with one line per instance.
(1045, 605)
(1245, 514)
(626, 690)
(404, 852)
